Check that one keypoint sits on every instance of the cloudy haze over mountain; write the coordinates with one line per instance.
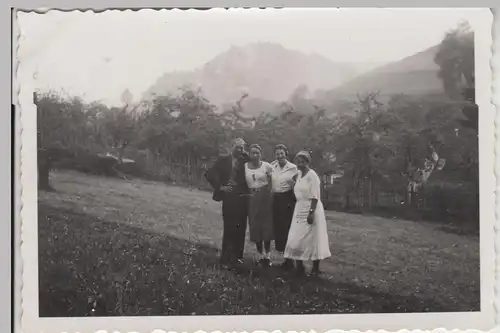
(262, 70)
(98, 56)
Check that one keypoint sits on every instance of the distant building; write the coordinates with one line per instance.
(330, 177)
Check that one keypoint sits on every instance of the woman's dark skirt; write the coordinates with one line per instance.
(283, 206)
(260, 215)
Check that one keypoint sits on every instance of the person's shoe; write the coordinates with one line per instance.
(287, 265)
(223, 263)
(300, 271)
(264, 262)
(233, 266)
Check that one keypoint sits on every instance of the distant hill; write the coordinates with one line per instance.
(267, 72)
(270, 74)
(414, 75)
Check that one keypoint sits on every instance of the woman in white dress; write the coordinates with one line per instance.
(258, 177)
(308, 236)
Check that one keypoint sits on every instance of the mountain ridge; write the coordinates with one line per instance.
(271, 74)
(416, 74)
(264, 70)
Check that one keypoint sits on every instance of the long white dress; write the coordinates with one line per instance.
(308, 241)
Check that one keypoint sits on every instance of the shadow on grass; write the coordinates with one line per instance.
(135, 272)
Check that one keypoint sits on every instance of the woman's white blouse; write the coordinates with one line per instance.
(282, 177)
(257, 178)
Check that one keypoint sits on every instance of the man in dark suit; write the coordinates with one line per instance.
(227, 178)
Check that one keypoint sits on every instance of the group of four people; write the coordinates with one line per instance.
(280, 200)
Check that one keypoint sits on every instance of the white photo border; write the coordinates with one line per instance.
(489, 125)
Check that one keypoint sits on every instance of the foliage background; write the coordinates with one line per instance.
(366, 155)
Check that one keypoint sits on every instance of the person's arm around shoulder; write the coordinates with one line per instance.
(268, 169)
(245, 157)
(296, 174)
(245, 170)
(295, 171)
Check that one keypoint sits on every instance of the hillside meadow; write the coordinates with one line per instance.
(147, 248)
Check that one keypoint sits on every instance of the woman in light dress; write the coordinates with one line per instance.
(283, 199)
(258, 177)
(308, 236)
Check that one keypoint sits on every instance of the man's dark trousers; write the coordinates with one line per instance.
(235, 216)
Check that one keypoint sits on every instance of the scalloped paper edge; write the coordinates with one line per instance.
(21, 192)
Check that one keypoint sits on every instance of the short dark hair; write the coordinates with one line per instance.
(238, 141)
(281, 147)
(256, 146)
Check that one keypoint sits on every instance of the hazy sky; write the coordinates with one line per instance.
(98, 56)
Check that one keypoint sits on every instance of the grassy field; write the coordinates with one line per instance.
(146, 248)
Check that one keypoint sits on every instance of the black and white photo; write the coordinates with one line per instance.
(294, 163)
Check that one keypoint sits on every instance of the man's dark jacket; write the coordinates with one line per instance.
(220, 173)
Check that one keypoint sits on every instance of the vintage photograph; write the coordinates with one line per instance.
(255, 162)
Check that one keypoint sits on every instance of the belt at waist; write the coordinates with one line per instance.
(264, 188)
(278, 194)
(237, 193)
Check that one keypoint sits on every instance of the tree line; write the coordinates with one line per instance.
(412, 154)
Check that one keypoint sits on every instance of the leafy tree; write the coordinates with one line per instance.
(455, 59)
(379, 148)
(366, 144)
(118, 127)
